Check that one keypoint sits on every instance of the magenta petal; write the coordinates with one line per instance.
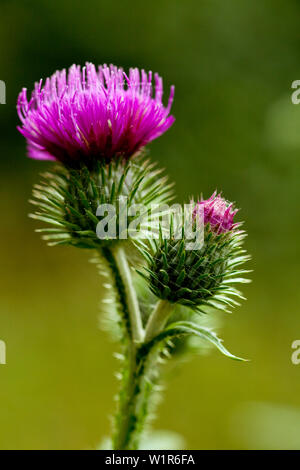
(88, 114)
(218, 213)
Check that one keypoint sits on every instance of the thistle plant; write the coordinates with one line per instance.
(103, 193)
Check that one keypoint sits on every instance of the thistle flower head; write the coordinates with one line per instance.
(89, 114)
(217, 212)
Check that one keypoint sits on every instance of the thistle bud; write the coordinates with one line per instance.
(204, 276)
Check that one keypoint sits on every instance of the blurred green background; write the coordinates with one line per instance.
(236, 130)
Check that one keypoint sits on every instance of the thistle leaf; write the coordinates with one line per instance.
(189, 328)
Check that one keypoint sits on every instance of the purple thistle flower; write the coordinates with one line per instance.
(87, 114)
(218, 213)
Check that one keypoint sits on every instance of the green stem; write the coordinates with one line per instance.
(158, 319)
(136, 389)
(131, 298)
(135, 406)
(127, 420)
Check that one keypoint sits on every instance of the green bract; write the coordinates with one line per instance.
(73, 202)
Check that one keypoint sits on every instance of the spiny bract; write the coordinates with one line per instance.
(68, 200)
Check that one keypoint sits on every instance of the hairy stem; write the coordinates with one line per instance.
(127, 421)
(126, 418)
(158, 319)
(131, 298)
(136, 386)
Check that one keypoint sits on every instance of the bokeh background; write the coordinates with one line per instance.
(236, 130)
